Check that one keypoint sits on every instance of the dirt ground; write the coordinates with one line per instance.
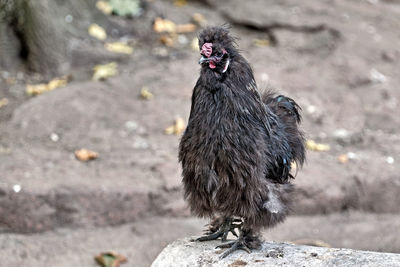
(339, 60)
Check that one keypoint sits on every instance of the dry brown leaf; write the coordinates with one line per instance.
(110, 259)
(199, 19)
(145, 93)
(101, 72)
(97, 31)
(85, 154)
(168, 40)
(167, 26)
(104, 7)
(119, 47)
(37, 89)
(180, 3)
(164, 25)
(184, 28)
(177, 128)
(261, 42)
(3, 102)
(312, 145)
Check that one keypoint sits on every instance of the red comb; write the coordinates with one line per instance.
(206, 49)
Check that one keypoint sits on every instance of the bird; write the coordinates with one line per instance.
(238, 147)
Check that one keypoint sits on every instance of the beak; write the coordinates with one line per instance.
(203, 59)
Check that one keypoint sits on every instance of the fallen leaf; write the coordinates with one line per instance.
(261, 42)
(164, 25)
(145, 93)
(38, 89)
(312, 145)
(101, 72)
(97, 32)
(57, 82)
(167, 39)
(183, 28)
(180, 3)
(3, 102)
(177, 128)
(343, 158)
(85, 155)
(110, 259)
(104, 7)
(199, 19)
(119, 47)
(167, 26)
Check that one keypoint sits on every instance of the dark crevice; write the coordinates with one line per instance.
(24, 49)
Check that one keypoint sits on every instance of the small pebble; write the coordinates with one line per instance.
(311, 109)
(390, 160)
(351, 155)
(17, 188)
(54, 137)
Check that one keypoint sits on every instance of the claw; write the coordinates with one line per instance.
(229, 225)
(234, 245)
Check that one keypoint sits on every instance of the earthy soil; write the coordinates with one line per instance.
(339, 60)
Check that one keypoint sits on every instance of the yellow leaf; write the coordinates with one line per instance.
(170, 130)
(85, 155)
(3, 102)
(180, 3)
(177, 128)
(38, 89)
(261, 42)
(104, 7)
(312, 145)
(97, 32)
(167, 26)
(167, 40)
(183, 28)
(163, 25)
(146, 94)
(119, 47)
(58, 82)
(101, 72)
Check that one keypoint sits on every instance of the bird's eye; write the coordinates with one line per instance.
(219, 54)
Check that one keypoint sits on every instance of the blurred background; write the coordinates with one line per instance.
(94, 96)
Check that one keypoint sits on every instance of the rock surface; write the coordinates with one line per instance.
(187, 253)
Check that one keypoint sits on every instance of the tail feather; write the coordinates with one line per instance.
(288, 113)
(289, 105)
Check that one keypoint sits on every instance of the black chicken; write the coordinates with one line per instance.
(237, 149)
